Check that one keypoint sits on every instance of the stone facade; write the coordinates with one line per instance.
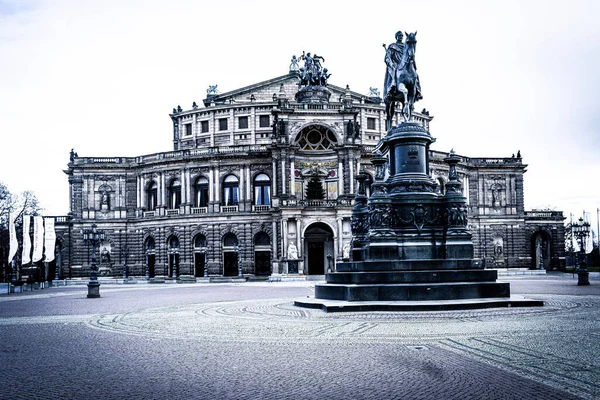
(233, 192)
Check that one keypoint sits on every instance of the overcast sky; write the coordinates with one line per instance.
(498, 76)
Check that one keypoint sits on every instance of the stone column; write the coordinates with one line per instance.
(252, 125)
(217, 186)
(274, 249)
(283, 182)
(351, 173)
(340, 177)
(274, 191)
(138, 202)
(231, 126)
(248, 185)
(242, 195)
(284, 229)
(211, 184)
(340, 235)
(212, 129)
(292, 177)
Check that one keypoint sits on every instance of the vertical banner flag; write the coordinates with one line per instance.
(49, 238)
(38, 238)
(589, 241)
(14, 243)
(26, 241)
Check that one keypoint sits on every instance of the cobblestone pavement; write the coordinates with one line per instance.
(247, 341)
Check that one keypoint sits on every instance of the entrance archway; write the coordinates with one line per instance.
(541, 250)
(230, 255)
(149, 247)
(318, 245)
(262, 254)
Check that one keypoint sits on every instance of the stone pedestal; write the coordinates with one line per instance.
(410, 243)
(93, 290)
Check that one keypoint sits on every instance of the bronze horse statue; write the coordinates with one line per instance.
(402, 83)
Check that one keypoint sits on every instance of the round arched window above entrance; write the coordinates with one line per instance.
(316, 138)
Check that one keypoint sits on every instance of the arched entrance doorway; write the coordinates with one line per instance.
(149, 247)
(200, 248)
(318, 245)
(173, 256)
(262, 254)
(540, 250)
(230, 255)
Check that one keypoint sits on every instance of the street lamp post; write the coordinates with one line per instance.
(238, 250)
(581, 230)
(203, 252)
(94, 237)
(124, 251)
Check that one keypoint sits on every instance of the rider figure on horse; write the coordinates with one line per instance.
(393, 60)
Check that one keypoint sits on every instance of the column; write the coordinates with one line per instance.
(274, 248)
(252, 125)
(249, 184)
(340, 177)
(292, 178)
(163, 187)
(274, 191)
(283, 183)
(340, 235)
(138, 202)
(351, 177)
(184, 187)
(217, 184)
(284, 234)
(211, 184)
(231, 126)
(212, 129)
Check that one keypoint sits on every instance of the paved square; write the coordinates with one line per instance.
(248, 341)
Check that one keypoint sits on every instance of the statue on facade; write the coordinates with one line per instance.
(346, 251)
(312, 73)
(212, 89)
(292, 251)
(294, 67)
(72, 155)
(401, 83)
(373, 92)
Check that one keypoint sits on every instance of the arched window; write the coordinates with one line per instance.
(230, 190)
(230, 240)
(201, 192)
(152, 196)
(262, 239)
(200, 241)
(149, 245)
(316, 137)
(174, 194)
(173, 243)
(262, 190)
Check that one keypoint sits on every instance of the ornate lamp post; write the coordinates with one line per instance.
(94, 237)
(204, 251)
(581, 231)
(238, 250)
(124, 252)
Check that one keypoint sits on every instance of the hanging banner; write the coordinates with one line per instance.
(14, 243)
(26, 258)
(49, 238)
(38, 238)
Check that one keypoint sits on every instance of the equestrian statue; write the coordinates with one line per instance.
(401, 79)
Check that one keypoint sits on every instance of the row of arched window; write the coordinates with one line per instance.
(229, 192)
(200, 241)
